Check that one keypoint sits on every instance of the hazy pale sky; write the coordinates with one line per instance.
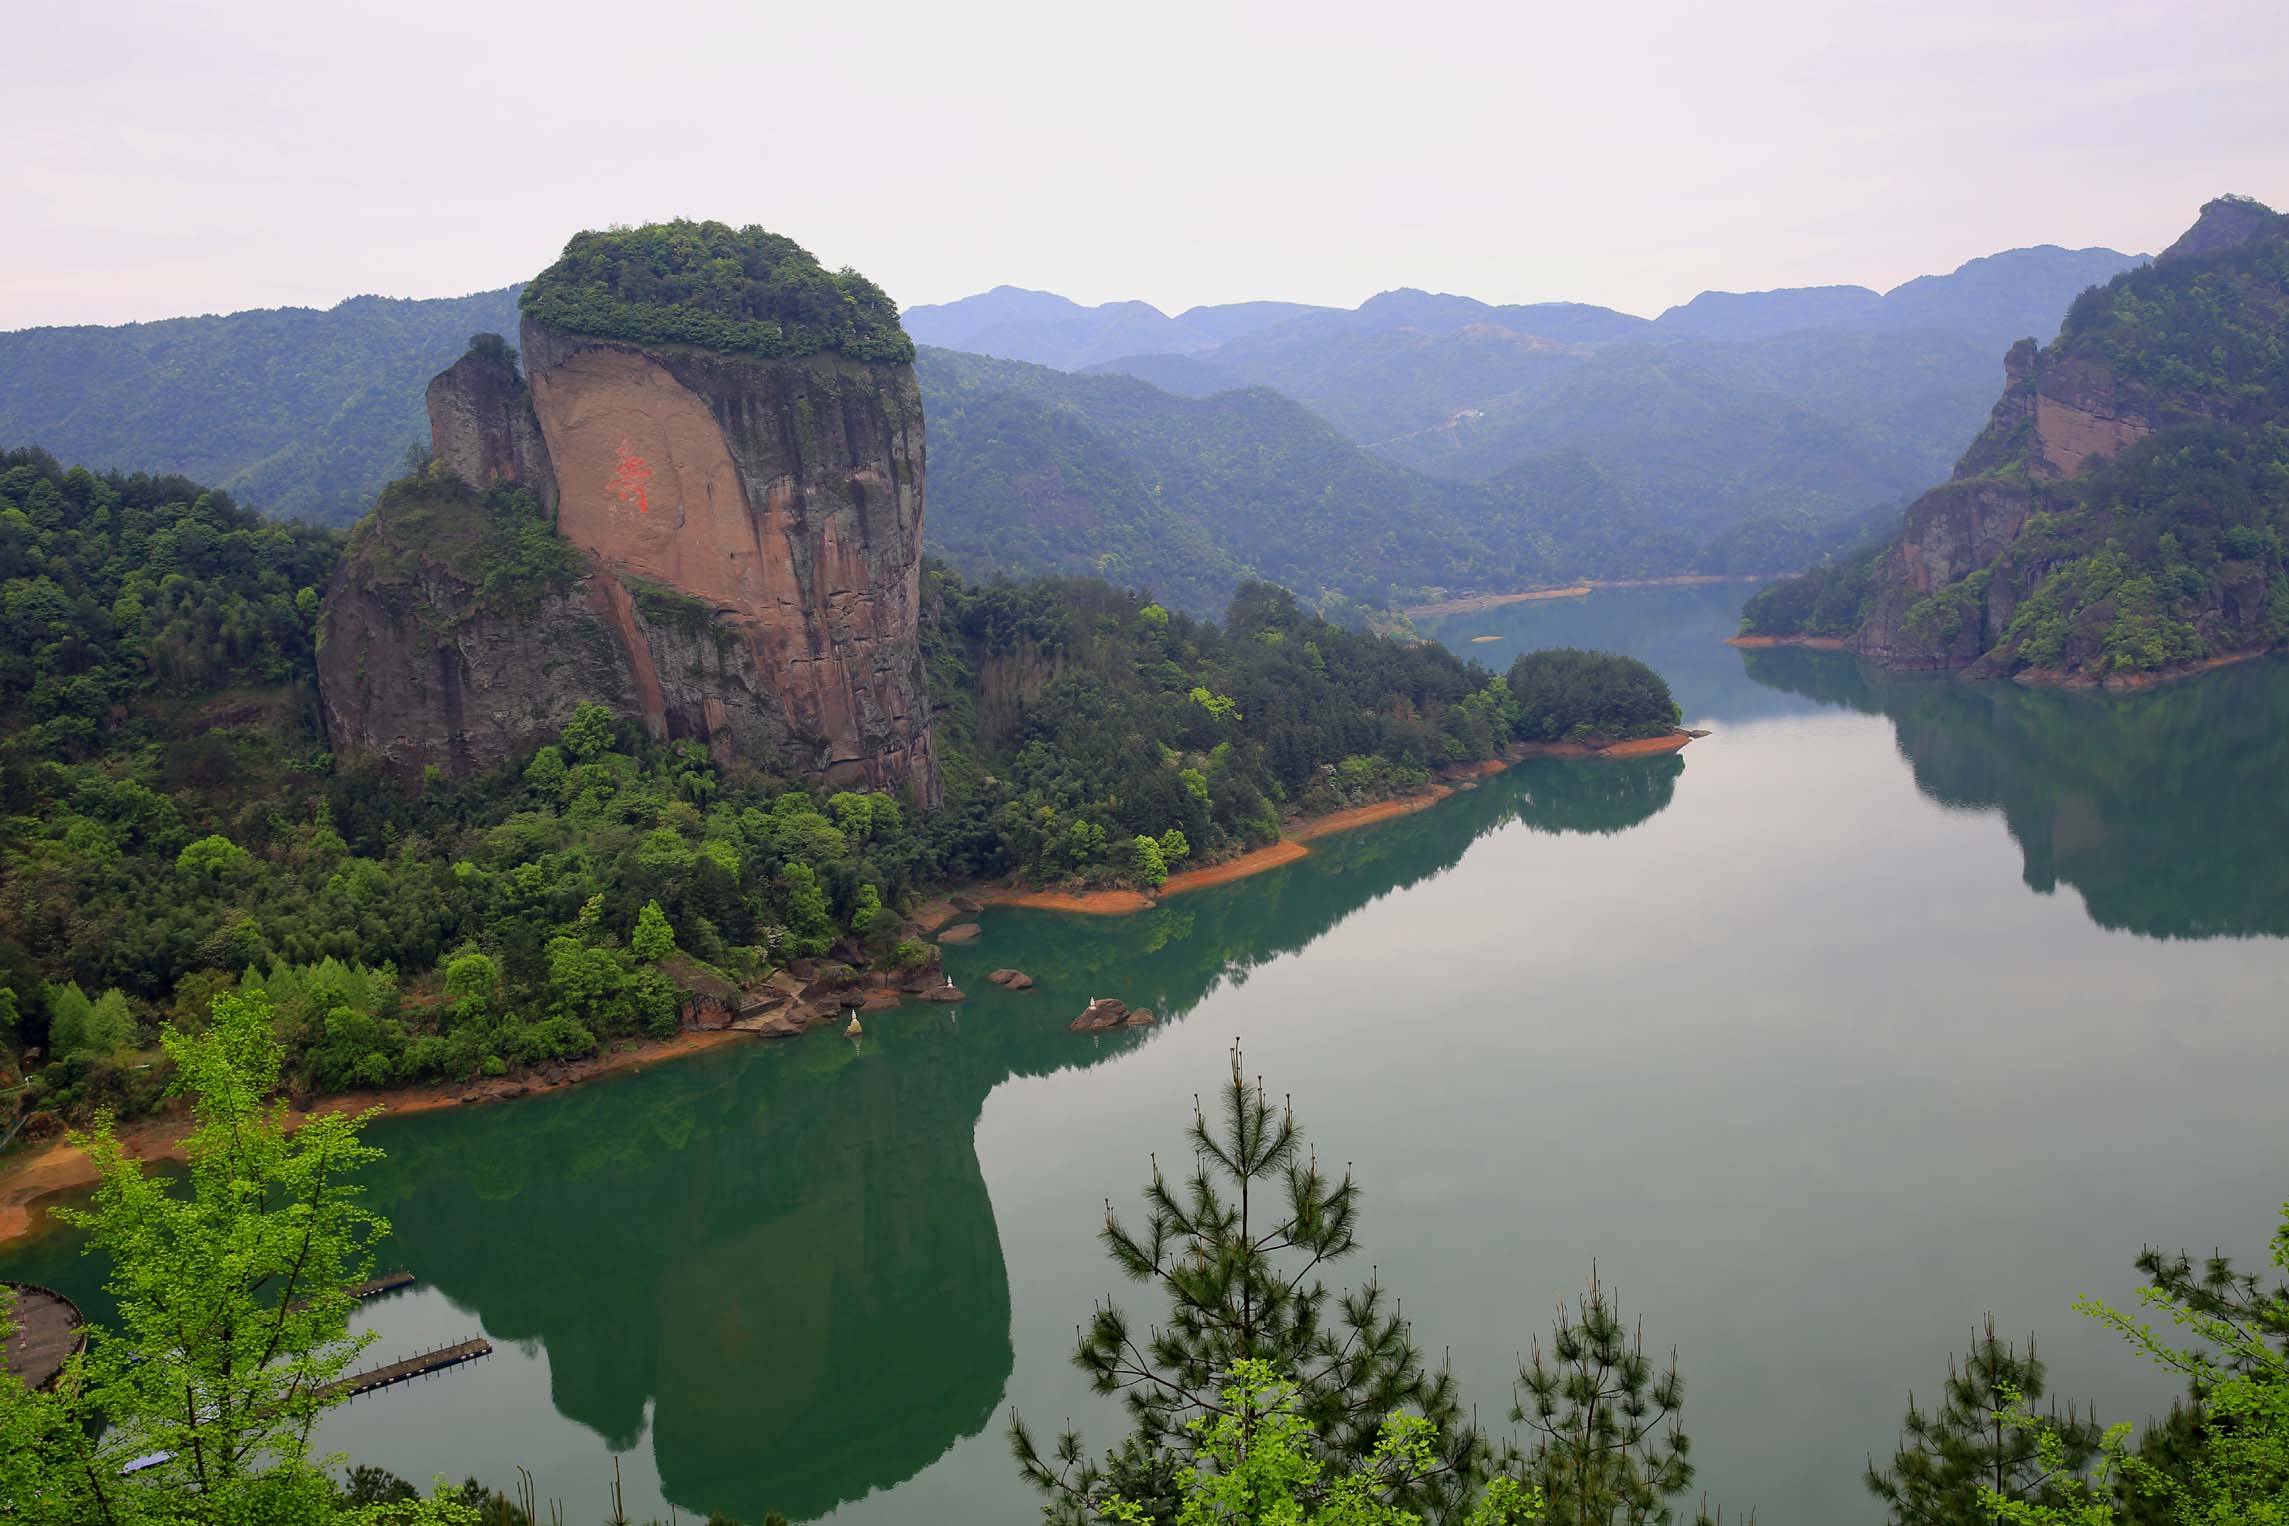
(182, 157)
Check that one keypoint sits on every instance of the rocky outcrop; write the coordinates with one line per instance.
(481, 421)
(2224, 223)
(780, 500)
(750, 530)
(1945, 593)
(420, 667)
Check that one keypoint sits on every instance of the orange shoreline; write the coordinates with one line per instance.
(1307, 829)
(63, 1166)
(1813, 643)
(1473, 603)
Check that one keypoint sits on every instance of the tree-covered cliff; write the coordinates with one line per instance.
(173, 822)
(2126, 509)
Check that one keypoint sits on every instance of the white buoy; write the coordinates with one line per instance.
(854, 1030)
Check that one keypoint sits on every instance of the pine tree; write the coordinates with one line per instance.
(1238, 1250)
(1611, 1448)
(1945, 1459)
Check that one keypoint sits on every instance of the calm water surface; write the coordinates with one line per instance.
(1893, 1002)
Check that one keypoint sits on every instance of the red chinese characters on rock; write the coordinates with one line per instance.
(629, 478)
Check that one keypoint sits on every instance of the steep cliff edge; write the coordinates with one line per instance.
(731, 438)
(2125, 510)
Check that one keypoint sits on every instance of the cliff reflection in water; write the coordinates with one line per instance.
(788, 1254)
(2165, 809)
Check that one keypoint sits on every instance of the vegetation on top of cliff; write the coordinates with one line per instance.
(744, 291)
(497, 538)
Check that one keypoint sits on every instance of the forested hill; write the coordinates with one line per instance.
(173, 825)
(2126, 509)
(303, 414)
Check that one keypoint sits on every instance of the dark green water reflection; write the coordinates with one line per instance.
(1787, 1033)
(2167, 810)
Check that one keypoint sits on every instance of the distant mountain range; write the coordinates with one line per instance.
(1420, 444)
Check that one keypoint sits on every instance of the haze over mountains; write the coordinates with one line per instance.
(1419, 445)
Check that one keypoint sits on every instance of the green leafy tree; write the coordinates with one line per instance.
(1237, 1249)
(1255, 1462)
(653, 939)
(1146, 863)
(1952, 1459)
(233, 1298)
(590, 733)
(212, 857)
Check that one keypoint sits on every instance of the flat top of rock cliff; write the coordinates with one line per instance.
(743, 291)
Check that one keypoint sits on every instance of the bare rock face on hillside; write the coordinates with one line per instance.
(481, 421)
(1945, 593)
(780, 501)
(748, 533)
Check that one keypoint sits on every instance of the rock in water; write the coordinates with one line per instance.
(740, 503)
(1099, 1015)
(1015, 980)
(960, 932)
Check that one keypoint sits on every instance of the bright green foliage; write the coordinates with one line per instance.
(1566, 695)
(79, 1026)
(1236, 1249)
(2224, 1460)
(212, 857)
(1255, 1462)
(741, 290)
(1609, 1448)
(233, 1301)
(1950, 1459)
(653, 939)
(1147, 866)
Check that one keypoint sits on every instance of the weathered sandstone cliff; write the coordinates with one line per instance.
(1946, 592)
(736, 558)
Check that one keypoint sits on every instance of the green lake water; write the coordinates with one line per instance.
(1896, 1001)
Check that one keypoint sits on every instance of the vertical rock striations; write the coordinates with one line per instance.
(731, 440)
(481, 421)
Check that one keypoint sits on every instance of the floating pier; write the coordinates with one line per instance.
(417, 1366)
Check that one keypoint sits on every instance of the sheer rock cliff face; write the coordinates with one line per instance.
(783, 495)
(754, 533)
(481, 423)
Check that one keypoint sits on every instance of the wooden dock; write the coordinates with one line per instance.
(47, 1333)
(417, 1366)
(387, 1282)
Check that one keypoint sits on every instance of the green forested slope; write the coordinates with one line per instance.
(172, 825)
(2163, 546)
(298, 412)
